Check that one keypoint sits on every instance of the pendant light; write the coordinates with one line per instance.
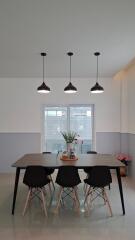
(70, 88)
(97, 88)
(43, 88)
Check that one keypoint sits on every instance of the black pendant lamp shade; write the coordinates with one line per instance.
(97, 88)
(43, 88)
(70, 88)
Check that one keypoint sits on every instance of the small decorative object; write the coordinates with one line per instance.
(124, 158)
(78, 144)
(69, 138)
(66, 158)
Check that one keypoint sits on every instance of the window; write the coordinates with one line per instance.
(76, 118)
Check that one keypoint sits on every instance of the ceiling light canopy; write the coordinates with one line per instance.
(97, 88)
(70, 88)
(43, 88)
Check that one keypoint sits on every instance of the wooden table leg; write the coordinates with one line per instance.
(15, 189)
(120, 189)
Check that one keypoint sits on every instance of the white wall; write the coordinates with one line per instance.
(20, 104)
(128, 99)
(21, 114)
(131, 100)
(128, 79)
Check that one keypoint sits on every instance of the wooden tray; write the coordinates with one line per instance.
(68, 159)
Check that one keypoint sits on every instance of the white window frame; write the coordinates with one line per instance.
(68, 121)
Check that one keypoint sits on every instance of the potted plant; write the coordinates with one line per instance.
(69, 138)
(124, 158)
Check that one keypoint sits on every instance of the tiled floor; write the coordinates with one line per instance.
(68, 224)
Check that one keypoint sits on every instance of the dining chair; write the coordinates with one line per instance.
(97, 180)
(91, 152)
(36, 180)
(68, 179)
(49, 171)
(87, 169)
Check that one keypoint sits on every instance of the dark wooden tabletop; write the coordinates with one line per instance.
(53, 160)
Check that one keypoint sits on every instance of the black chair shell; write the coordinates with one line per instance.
(88, 169)
(35, 176)
(100, 176)
(68, 176)
(91, 152)
(49, 170)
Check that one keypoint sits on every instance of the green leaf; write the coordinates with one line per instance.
(69, 136)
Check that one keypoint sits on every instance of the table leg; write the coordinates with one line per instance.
(15, 189)
(120, 189)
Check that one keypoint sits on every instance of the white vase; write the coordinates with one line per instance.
(69, 147)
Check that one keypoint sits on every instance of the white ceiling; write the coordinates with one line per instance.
(28, 27)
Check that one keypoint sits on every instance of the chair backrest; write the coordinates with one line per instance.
(68, 176)
(91, 152)
(100, 176)
(35, 176)
(46, 152)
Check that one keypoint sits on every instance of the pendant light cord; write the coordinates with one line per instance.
(43, 68)
(97, 69)
(70, 69)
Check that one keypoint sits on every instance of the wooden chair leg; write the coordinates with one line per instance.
(85, 188)
(52, 182)
(27, 201)
(108, 203)
(85, 185)
(59, 199)
(103, 196)
(91, 195)
(44, 190)
(74, 198)
(87, 194)
(49, 185)
(44, 203)
(76, 195)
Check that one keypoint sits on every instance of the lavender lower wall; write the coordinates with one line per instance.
(131, 141)
(113, 143)
(124, 143)
(14, 145)
(108, 142)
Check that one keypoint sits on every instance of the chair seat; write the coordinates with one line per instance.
(95, 185)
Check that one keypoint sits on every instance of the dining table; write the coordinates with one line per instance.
(54, 161)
